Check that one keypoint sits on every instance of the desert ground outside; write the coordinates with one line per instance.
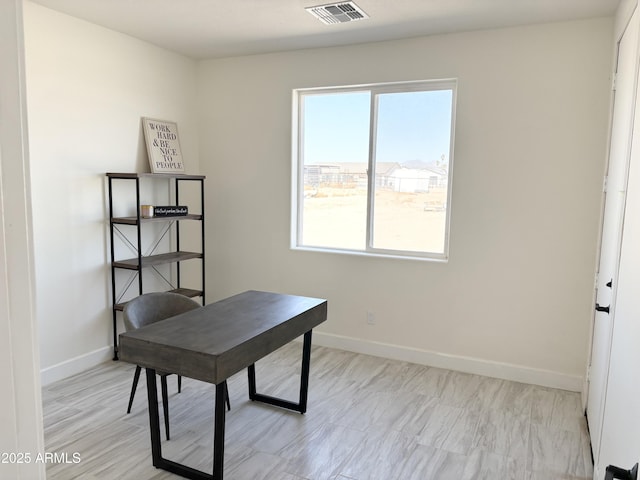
(335, 216)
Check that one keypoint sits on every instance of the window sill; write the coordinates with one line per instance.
(375, 254)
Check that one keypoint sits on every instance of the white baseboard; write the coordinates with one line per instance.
(505, 371)
(75, 365)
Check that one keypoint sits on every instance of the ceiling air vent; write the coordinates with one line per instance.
(337, 13)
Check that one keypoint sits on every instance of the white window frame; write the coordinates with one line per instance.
(297, 177)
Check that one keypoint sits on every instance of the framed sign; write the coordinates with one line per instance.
(163, 146)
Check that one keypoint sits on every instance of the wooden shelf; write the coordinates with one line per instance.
(156, 175)
(134, 220)
(161, 259)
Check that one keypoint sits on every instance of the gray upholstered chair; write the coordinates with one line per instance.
(145, 310)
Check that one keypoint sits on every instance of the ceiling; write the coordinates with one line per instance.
(222, 28)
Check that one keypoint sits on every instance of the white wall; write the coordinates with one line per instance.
(20, 401)
(515, 298)
(87, 89)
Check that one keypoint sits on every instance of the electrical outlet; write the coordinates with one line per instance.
(371, 318)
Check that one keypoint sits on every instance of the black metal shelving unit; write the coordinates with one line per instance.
(140, 262)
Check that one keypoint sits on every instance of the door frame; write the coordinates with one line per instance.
(21, 422)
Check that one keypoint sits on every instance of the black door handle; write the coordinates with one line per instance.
(602, 309)
(621, 474)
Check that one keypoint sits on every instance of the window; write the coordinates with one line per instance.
(372, 168)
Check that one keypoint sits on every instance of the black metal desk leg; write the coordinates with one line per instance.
(218, 434)
(218, 441)
(301, 406)
(251, 372)
(154, 419)
(306, 363)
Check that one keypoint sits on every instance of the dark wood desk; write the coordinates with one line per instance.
(216, 341)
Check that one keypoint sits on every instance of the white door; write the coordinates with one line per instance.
(620, 435)
(606, 286)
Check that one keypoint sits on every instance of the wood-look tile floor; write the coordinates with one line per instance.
(368, 418)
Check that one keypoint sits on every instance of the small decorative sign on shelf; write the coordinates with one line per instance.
(163, 146)
(170, 211)
(149, 211)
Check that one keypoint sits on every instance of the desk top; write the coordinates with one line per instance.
(214, 342)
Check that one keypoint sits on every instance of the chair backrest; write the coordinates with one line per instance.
(153, 307)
